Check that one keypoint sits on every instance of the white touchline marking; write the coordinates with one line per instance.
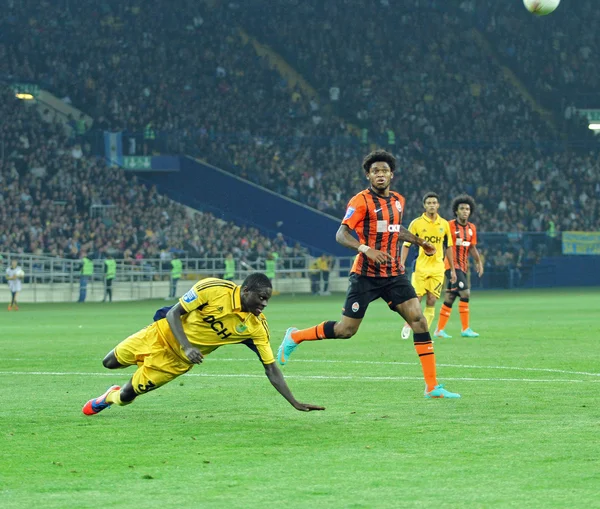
(313, 377)
(392, 363)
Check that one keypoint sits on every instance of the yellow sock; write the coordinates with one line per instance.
(429, 315)
(114, 398)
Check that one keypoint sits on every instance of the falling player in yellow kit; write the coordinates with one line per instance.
(428, 277)
(213, 313)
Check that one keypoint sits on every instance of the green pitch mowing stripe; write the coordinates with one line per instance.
(524, 433)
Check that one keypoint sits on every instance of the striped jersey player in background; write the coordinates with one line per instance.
(464, 235)
(375, 215)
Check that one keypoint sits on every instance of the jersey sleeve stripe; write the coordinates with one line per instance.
(199, 288)
(380, 214)
(390, 267)
(266, 327)
(212, 281)
(364, 263)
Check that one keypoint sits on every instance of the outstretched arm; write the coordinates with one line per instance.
(275, 376)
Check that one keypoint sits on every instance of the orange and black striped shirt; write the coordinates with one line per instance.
(464, 238)
(376, 220)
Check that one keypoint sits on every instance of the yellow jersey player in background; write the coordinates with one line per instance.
(213, 313)
(428, 276)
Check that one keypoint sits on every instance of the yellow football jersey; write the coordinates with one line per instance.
(436, 231)
(214, 318)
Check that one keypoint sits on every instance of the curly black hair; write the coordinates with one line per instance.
(431, 194)
(379, 156)
(463, 198)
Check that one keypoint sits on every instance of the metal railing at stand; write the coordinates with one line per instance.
(512, 260)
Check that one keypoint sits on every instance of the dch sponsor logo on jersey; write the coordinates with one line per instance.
(349, 213)
(383, 227)
(433, 239)
(190, 296)
(217, 326)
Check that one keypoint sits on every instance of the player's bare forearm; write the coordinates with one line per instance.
(174, 320)
(450, 256)
(345, 238)
(403, 254)
(275, 376)
(478, 261)
(405, 236)
(277, 380)
(475, 255)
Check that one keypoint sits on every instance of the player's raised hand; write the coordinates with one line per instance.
(305, 407)
(377, 256)
(193, 354)
(428, 248)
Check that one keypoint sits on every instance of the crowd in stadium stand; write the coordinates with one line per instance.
(564, 75)
(377, 65)
(58, 201)
(452, 115)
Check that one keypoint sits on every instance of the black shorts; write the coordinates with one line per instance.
(363, 290)
(461, 282)
(109, 284)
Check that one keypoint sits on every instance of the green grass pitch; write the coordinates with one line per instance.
(524, 434)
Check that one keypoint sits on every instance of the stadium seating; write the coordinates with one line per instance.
(208, 94)
(560, 69)
(55, 199)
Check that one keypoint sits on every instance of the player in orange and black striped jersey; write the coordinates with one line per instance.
(464, 235)
(375, 215)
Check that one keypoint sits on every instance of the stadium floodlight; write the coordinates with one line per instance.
(24, 96)
(594, 127)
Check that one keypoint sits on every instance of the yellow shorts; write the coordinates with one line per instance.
(428, 282)
(156, 361)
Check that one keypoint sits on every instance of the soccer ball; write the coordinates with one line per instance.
(541, 7)
(20, 273)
